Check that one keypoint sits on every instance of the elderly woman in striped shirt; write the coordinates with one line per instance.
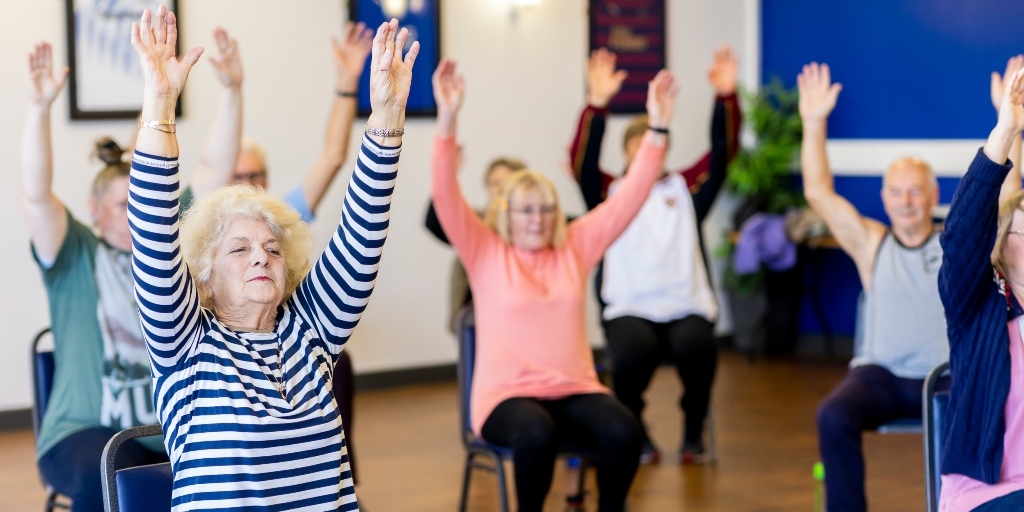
(242, 333)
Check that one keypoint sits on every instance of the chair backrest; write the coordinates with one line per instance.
(465, 331)
(136, 489)
(144, 488)
(935, 405)
(43, 368)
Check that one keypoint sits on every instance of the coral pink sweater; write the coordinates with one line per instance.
(531, 334)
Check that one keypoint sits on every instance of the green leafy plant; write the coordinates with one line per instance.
(762, 174)
(763, 171)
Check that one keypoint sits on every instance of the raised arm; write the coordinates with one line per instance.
(333, 296)
(166, 295)
(857, 235)
(603, 83)
(349, 59)
(223, 141)
(972, 223)
(44, 212)
(592, 234)
(707, 177)
(464, 229)
(1013, 178)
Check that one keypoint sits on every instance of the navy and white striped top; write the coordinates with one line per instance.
(234, 440)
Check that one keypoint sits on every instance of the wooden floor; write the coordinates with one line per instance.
(410, 458)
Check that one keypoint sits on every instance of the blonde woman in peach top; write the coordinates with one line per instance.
(535, 384)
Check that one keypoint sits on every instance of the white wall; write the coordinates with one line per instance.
(525, 80)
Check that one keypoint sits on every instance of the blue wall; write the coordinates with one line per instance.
(910, 69)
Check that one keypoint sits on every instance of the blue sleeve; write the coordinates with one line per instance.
(968, 238)
(297, 199)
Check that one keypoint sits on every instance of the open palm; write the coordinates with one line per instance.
(449, 88)
(723, 72)
(661, 99)
(43, 85)
(818, 94)
(154, 41)
(998, 86)
(227, 64)
(603, 81)
(390, 74)
(1011, 111)
(350, 53)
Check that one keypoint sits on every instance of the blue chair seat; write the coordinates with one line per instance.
(144, 488)
(139, 488)
(902, 426)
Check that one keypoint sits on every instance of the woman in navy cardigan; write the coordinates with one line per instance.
(983, 456)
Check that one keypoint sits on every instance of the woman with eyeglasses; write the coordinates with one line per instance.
(535, 384)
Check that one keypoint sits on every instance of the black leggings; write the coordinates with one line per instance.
(533, 429)
(637, 346)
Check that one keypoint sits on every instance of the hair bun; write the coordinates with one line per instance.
(109, 151)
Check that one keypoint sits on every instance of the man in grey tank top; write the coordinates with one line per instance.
(904, 329)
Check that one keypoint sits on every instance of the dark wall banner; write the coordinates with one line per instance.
(635, 30)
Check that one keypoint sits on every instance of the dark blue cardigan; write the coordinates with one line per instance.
(976, 316)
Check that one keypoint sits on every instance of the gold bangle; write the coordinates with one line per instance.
(158, 125)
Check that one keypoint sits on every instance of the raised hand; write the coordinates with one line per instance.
(227, 64)
(43, 85)
(723, 71)
(154, 40)
(999, 81)
(661, 99)
(350, 54)
(603, 82)
(1011, 111)
(449, 89)
(818, 94)
(390, 74)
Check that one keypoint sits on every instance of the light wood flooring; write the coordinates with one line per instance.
(410, 458)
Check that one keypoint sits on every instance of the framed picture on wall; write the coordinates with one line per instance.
(106, 81)
(423, 19)
(635, 31)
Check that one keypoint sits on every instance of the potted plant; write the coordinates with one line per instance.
(765, 304)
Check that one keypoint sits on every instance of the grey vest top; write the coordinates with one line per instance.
(904, 325)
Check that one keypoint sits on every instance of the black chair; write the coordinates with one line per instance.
(935, 404)
(43, 367)
(136, 489)
(493, 456)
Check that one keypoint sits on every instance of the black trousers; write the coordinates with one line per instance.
(533, 429)
(343, 386)
(637, 346)
(72, 466)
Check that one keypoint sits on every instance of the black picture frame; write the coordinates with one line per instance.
(637, 32)
(116, 41)
(421, 97)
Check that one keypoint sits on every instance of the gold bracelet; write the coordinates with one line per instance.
(156, 125)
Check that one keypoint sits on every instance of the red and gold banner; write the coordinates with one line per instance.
(635, 30)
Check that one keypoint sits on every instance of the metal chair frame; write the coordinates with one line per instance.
(931, 458)
(54, 500)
